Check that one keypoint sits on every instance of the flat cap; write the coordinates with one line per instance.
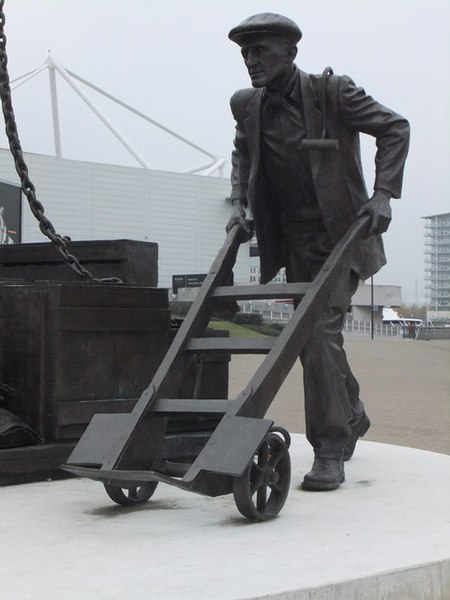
(266, 23)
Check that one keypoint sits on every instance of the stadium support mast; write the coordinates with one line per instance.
(213, 164)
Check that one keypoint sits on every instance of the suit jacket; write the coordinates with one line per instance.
(337, 175)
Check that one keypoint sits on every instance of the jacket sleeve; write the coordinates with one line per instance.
(360, 112)
(239, 160)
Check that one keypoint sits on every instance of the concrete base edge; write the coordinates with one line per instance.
(423, 582)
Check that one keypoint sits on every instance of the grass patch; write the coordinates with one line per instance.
(266, 330)
(234, 329)
(249, 331)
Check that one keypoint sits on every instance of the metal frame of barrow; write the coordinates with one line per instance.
(242, 453)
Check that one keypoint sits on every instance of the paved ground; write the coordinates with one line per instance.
(405, 385)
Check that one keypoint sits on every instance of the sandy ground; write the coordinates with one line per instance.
(405, 385)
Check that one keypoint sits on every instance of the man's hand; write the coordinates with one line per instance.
(380, 210)
(239, 217)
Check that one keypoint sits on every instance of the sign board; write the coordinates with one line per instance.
(191, 280)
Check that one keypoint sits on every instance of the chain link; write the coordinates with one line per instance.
(28, 188)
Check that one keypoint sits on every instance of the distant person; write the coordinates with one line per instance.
(303, 202)
(5, 238)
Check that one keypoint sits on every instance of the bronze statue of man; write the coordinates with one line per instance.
(303, 201)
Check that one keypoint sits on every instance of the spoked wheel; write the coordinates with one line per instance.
(131, 496)
(260, 493)
(282, 431)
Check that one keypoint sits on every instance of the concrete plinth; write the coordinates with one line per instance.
(383, 535)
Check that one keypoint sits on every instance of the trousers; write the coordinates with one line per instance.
(331, 390)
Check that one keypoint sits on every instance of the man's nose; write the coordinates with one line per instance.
(251, 59)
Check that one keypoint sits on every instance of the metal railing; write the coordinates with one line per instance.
(350, 325)
(386, 329)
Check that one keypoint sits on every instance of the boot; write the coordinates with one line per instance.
(326, 474)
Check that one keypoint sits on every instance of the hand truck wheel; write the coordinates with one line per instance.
(283, 432)
(131, 496)
(260, 493)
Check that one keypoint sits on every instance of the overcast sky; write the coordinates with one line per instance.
(172, 60)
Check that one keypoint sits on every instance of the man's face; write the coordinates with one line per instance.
(267, 59)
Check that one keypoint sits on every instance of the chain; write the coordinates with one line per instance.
(28, 188)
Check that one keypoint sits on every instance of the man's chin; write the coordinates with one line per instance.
(258, 82)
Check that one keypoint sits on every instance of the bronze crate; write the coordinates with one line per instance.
(71, 350)
(132, 261)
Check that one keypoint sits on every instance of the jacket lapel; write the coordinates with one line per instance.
(313, 119)
(252, 125)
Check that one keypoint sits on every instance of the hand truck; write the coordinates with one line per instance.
(241, 453)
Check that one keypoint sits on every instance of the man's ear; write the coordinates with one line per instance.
(292, 53)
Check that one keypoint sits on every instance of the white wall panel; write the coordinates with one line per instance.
(185, 214)
(117, 202)
(62, 187)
